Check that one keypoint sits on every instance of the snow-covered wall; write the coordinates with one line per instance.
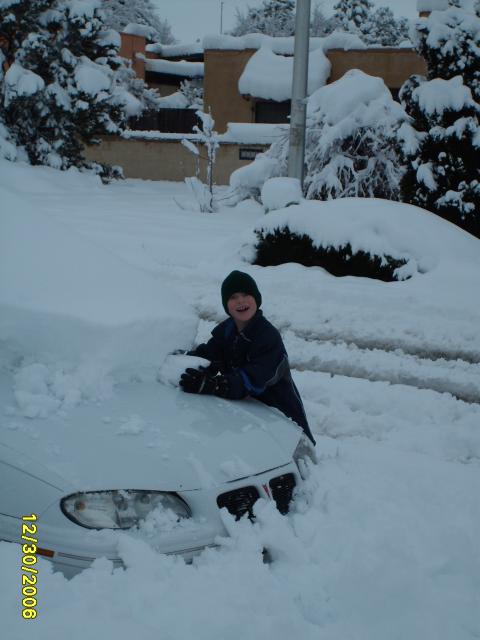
(281, 46)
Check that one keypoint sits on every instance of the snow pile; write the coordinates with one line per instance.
(380, 228)
(269, 76)
(385, 533)
(73, 318)
(182, 68)
(174, 365)
(355, 558)
(278, 193)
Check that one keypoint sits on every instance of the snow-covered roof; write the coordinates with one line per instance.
(181, 68)
(281, 46)
(174, 50)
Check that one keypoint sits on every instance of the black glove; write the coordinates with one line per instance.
(201, 381)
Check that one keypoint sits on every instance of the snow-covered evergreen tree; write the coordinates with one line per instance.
(320, 24)
(65, 82)
(441, 146)
(353, 15)
(384, 29)
(350, 146)
(120, 13)
(273, 18)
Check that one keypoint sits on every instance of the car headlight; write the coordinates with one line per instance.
(119, 509)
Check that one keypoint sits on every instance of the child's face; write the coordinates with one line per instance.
(242, 307)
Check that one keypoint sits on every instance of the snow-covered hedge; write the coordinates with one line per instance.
(354, 236)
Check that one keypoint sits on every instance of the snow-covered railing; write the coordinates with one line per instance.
(237, 133)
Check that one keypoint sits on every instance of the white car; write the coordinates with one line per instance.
(147, 451)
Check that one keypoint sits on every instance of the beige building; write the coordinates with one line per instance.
(221, 68)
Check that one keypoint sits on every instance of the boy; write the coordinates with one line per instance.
(247, 353)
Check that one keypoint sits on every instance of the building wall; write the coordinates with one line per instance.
(165, 159)
(131, 45)
(393, 65)
(222, 73)
(224, 68)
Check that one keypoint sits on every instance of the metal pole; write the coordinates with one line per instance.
(221, 17)
(298, 112)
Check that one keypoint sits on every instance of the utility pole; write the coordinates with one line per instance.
(221, 17)
(298, 111)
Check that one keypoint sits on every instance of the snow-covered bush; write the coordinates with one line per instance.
(284, 246)
(65, 82)
(349, 237)
(350, 147)
(192, 91)
(120, 13)
(441, 146)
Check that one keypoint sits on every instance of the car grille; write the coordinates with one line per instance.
(282, 489)
(239, 502)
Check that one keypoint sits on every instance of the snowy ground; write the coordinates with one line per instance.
(384, 540)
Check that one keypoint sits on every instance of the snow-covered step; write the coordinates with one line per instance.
(460, 378)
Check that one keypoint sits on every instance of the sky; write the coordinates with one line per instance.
(193, 19)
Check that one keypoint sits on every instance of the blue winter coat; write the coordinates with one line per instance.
(255, 363)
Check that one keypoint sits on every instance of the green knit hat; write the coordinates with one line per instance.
(239, 282)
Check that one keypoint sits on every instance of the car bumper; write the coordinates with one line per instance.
(85, 545)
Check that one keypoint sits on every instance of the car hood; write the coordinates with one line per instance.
(150, 436)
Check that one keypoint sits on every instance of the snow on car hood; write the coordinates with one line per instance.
(150, 436)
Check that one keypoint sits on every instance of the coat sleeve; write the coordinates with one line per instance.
(266, 364)
(211, 350)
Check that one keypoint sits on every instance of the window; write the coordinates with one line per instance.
(272, 112)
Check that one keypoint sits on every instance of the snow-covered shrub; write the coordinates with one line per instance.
(360, 237)
(192, 91)
(284, 246)
(65, 82)
(350, 146)
(278, 193)
(441, 146)
(247, 182)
